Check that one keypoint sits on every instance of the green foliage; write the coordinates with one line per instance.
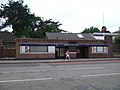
(17, 15)
(47, 26)
(25, 24)
(91, 30)
(117, 39)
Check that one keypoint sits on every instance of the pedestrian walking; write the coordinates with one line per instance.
(67, 55)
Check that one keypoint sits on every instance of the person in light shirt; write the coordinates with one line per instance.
(67, 55)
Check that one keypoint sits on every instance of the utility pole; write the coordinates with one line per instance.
(103, 18)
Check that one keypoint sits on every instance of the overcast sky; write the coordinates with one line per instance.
(76, 15)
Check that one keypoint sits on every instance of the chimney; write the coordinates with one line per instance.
(108, 38)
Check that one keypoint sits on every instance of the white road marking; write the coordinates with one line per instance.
(40, 79)
(85, 68)
(29, 71)
(32, 71)
(95, 75)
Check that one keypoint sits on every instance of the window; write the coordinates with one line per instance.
(37, 49)
(73, 49)
(22, 49)
(99, 49)
(62, 51)
(32, 49)
(51, 49)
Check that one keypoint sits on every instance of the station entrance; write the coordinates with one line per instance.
(81, 51)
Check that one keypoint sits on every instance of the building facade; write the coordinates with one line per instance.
(27, 48)
(7, 45)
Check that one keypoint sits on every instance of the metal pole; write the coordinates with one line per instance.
(103, 18)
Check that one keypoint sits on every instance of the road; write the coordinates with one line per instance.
(60, 76)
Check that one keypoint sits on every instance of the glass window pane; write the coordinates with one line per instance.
(99, 49)
(94, 49)
(38, 49)
(51, 49)
(72, 49)
(22, 49)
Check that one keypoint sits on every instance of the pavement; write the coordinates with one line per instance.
(13, 60)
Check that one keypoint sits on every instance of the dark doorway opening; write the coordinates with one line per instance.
(82, 52)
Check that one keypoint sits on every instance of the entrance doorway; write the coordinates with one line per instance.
(60, 52)
(82, 52)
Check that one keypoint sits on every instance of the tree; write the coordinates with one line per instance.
(91, 30)
(24, 23)
(48, 26)
(39, 27)
(17, 15)
(117, 39)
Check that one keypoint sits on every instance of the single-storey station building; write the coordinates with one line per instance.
(56, 44)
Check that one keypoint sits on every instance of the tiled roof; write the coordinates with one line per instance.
(7, 36)
(88, 36)
(70, 36)
(62, 36)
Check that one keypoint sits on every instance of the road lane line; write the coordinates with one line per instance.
(96, 75)
(24, 80)
(29, 71)
(85, 68)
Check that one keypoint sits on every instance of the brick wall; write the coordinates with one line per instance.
(9, 53)
(36, 56)
(90, 54)
(27, 40)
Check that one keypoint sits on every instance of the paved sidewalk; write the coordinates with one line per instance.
(12, 61)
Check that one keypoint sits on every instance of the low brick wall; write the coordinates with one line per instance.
(8, 53)
(36, 56)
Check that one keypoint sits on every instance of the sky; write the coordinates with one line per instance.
(76, 15)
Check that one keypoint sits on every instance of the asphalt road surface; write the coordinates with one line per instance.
(60, 76)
